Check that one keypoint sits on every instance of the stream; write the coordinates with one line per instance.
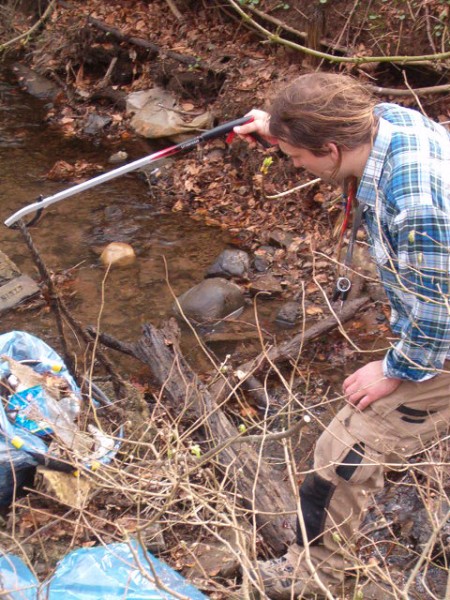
(73, 232)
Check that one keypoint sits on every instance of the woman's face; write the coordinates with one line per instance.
(325, 166)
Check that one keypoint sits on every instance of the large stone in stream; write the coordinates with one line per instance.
(230, 263)
(14, 287)
(35, 84)
(211, 300)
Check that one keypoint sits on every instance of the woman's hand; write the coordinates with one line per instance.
(259, 125)
(368, 384)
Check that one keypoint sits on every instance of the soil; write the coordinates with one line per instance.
(211, 59)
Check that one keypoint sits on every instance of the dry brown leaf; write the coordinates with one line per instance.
(177, 206)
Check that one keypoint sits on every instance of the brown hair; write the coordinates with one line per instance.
(320, 108)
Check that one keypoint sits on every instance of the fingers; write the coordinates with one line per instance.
(350, 387)
(356, 393)
(362, 387)
(361, 393)
(259, 124)
(364, 402)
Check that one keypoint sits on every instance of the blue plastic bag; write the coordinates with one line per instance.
(114, 572)
(23, 346)
(16, 579)
(19, 447)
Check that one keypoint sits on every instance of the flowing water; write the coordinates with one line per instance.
(73, 232)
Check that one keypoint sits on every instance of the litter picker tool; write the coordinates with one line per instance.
(190, 144)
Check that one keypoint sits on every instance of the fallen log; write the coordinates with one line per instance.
(256, 486)
(286, 351)
(290, 349)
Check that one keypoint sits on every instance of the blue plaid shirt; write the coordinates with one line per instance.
(405, 188)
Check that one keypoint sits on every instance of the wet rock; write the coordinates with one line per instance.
(280, 238)
(266, 285)
(95, 123)
(422, 528)
(261, 264)
(289, 313)
(211, 300)
(118, 254)
(432, 582)
(156, 115)
(8, 270)
(263, 258)
(118, 157)
(374, 591)
(153, 538)
(230, 263)
(14, 287)
(35, 84)
(115, 231)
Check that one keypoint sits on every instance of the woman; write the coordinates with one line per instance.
(331, 125)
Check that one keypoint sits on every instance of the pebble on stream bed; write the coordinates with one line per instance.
(118, 254)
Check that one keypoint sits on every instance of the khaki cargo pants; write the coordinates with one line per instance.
(351, 456)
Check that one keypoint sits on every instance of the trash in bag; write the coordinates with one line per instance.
(40, 404)
(117, 571)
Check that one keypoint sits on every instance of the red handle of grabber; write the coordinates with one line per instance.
(258, 138)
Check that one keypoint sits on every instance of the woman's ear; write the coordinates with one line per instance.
(332, 149)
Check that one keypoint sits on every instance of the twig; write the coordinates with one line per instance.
(351, 13)
(105, 81)
(255, 439)
(405, 78)
(294, 189)
(177, 14)
(428, 26)
(435, 89)
(357, 60)
(53, 297)
(32, 29)
(423, 557)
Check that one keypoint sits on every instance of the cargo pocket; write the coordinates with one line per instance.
(351, 462)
